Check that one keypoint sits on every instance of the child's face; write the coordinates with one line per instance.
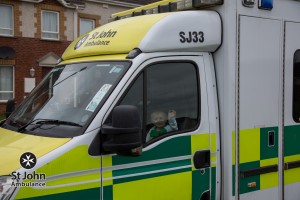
(159, 119)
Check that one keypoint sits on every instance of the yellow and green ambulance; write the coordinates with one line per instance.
(180, 99)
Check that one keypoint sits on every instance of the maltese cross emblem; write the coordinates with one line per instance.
(28, 160)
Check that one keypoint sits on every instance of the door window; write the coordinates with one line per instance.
(167, 97)
(296, 87)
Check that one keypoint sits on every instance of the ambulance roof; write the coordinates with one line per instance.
(172, 32)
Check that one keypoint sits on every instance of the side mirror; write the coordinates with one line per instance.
(10, 107)
(124, 135)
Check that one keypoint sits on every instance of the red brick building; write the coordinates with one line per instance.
(35, 33)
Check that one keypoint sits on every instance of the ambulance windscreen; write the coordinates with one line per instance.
(67, 99)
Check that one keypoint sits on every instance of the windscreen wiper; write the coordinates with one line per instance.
(42, 122)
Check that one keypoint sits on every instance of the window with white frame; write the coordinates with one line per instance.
(6, 82)
(6, 20)
(86, 25)
(50, 25)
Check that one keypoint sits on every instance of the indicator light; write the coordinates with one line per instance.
(252, 185)
(265, 4)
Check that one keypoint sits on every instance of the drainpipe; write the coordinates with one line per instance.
(63, 2)
(75, 22)
(77, 7)
(117, 3)
(33, 1)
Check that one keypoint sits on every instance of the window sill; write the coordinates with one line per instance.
(8, 36)
(51, 40)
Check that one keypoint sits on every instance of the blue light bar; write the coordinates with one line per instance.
(265, 4)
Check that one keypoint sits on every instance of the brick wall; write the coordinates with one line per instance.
(28, 51)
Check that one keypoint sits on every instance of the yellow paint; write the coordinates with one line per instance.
(107, 174)
(213, 160)
(27, 192)
(249, 145)
(75, 179)
(213, 142)
(213, 149)
(199, 142)
(291, 175)
(269, 180)
(95, 58)
(268, 162)
(292, 158)
(63, 165)
(158, 188)
(233, 147)
(68, 162)
(13, 145)
(120, 37)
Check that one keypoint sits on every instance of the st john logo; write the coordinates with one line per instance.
(28, 160)
(24, 179)
(81, 41)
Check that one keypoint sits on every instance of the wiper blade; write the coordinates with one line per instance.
(2, 122)
(58, 122)
(48, 121)
(68, 77)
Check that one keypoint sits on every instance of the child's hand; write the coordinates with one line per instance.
(171, 114)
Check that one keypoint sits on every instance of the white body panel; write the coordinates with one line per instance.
(183, 38)
(260, 47)
(227, 64)
(292, 44)
(259, 94)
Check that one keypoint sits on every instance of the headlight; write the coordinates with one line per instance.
(6, 189)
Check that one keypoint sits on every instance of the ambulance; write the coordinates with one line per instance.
(175, 100)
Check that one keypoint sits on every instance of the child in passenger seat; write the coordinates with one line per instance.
(159, 119)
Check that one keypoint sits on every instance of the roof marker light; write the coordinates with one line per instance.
(248, 3)
(167, 6)
(151, 11)
(136, 13)
(170, 7)
(265, 4)
(184, 4)
(133, 53)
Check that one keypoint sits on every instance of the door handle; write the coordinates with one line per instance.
(202, 159)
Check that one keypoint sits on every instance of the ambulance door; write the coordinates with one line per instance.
(259, 107)
(170, 94)
(292, 111)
